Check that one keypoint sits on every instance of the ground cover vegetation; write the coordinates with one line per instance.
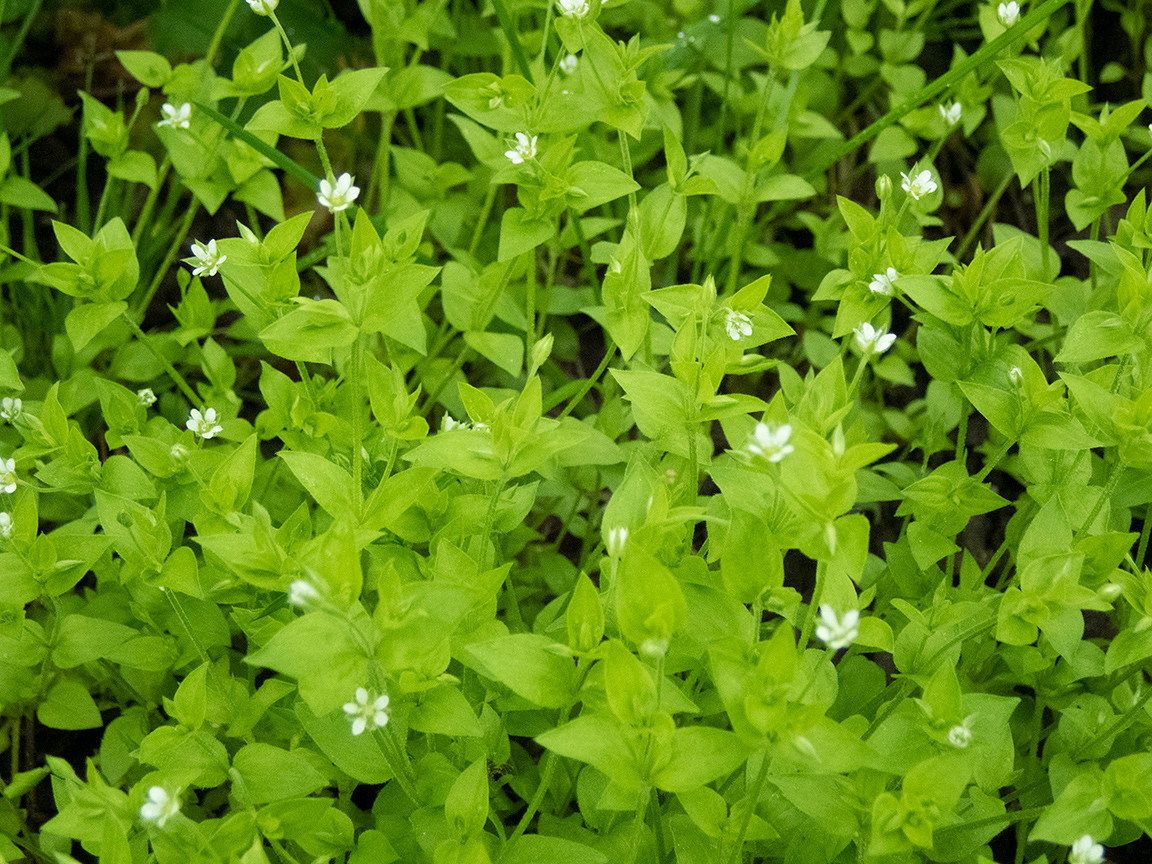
(576, 431)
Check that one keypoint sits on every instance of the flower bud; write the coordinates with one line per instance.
(884, 187)
(541, 351)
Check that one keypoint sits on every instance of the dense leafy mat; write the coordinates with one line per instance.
(576, 432)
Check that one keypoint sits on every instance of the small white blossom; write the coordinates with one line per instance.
(8, 475)
(617, 537)
(872, 341)
(960, 735)
(160, 806)
(715, 19)
(1016, 375)
(449, 423)
(573, 8)
(771, 442)
(882, 282)
(365, 713)
(6, 525)
(836, 632)
(301, 593)
(525, 149)
(207, 257)
(10, 408)
(1008, 12)
(263, 7)
(175, 118)
(951, 113)
(920, 185)
(1086, 851)
(340, 196)
(146, 397)
(568, 64)
(205, 424)
(737, 324)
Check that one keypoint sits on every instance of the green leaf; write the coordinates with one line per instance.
(134, 166)
(542, 849)
(317, 649)
(358, 756)
(310, 332)
(503, 349)
(700, 754)
(325, 481)
(88, 320)
(1080, 809)
(520, 233)
(444, 710)
(272, 774)
(352, 90)
(784, 187)
(82, 639)
(466, 807)
(147, 67)
(528, 665)
(69, 705)
(597, 741)
(592, 183)
(19, 192)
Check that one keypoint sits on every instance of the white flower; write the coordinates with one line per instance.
(205, 424)
(365, 715)
(715, 19)
(951, 113)
(207, 258)
(872, 341)
(573, 8)
(6, 525)
(836, 632)
(146, 397)
(960, 735)
(770, 441)
(525, 148)
(175, 118)
(617, 537)
(920, 185)
(1016, 375)
(302, 593)
(1086, 851)
(263, 7)
(340, 196)
(568, 64)
(160, 806)
(10, 408)
(737, 324)
(449, 423)
(1008, 12)
(882, 282)
(8, 475)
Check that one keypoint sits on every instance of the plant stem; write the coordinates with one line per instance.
(609, 353)
(810, 617)
(1041, 186)
(141, 306)
(1105, 494)
(188, 392)
(746, 819)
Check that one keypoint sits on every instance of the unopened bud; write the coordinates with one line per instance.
(541, 351)
(1109, 592)
(884, 187)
